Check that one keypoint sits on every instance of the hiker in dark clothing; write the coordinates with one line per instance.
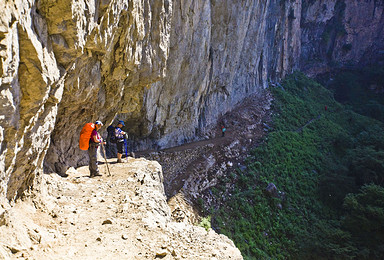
(223, 131)
(94, 144)
(111, 142)
(120, 134)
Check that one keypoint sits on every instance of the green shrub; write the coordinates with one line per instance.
(205, 223)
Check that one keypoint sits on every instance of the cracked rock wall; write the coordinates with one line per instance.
(29, 95)
(65, 63)
(220, 52)
(169, 68)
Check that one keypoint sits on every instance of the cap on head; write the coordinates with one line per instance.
(121, 122)
(99, 123)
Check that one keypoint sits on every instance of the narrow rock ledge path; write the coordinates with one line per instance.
(123, 216)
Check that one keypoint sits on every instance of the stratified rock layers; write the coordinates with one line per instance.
(169, 68)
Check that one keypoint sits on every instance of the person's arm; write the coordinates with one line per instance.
(94, 137)
(119, 131)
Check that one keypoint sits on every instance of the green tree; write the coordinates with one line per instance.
(367, 165)
(364, 219)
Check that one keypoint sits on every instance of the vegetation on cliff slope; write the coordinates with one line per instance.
(327, 162)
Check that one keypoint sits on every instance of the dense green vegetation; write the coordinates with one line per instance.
(327, 162)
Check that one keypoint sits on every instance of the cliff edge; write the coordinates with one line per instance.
(123, 216)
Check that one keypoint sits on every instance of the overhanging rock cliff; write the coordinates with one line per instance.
(169, 68)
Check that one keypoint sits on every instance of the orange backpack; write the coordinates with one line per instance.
(85, 136)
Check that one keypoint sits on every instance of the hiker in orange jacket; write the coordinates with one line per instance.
(94, 144)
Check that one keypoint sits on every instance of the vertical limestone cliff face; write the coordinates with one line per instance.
(220, 52)
(169, 68)
(339, 34)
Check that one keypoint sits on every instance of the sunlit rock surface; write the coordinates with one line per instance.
(168, 68)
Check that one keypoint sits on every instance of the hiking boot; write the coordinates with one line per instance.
(94, 175)
(119, 161)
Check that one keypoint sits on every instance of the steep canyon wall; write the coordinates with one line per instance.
(341, 34)
(169, 68)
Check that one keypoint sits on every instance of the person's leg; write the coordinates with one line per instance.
(93, 169)
(96, 165)
(90, 161)
(119, 151)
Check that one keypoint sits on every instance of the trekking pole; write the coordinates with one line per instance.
(126, 146)
(105, 157)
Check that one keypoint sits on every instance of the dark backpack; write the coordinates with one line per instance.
(111, 134)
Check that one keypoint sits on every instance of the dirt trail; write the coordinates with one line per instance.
(87, 213)
(194, 167)
(188, 146)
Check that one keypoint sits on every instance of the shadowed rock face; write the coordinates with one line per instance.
(168, 68)
(339, 34)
